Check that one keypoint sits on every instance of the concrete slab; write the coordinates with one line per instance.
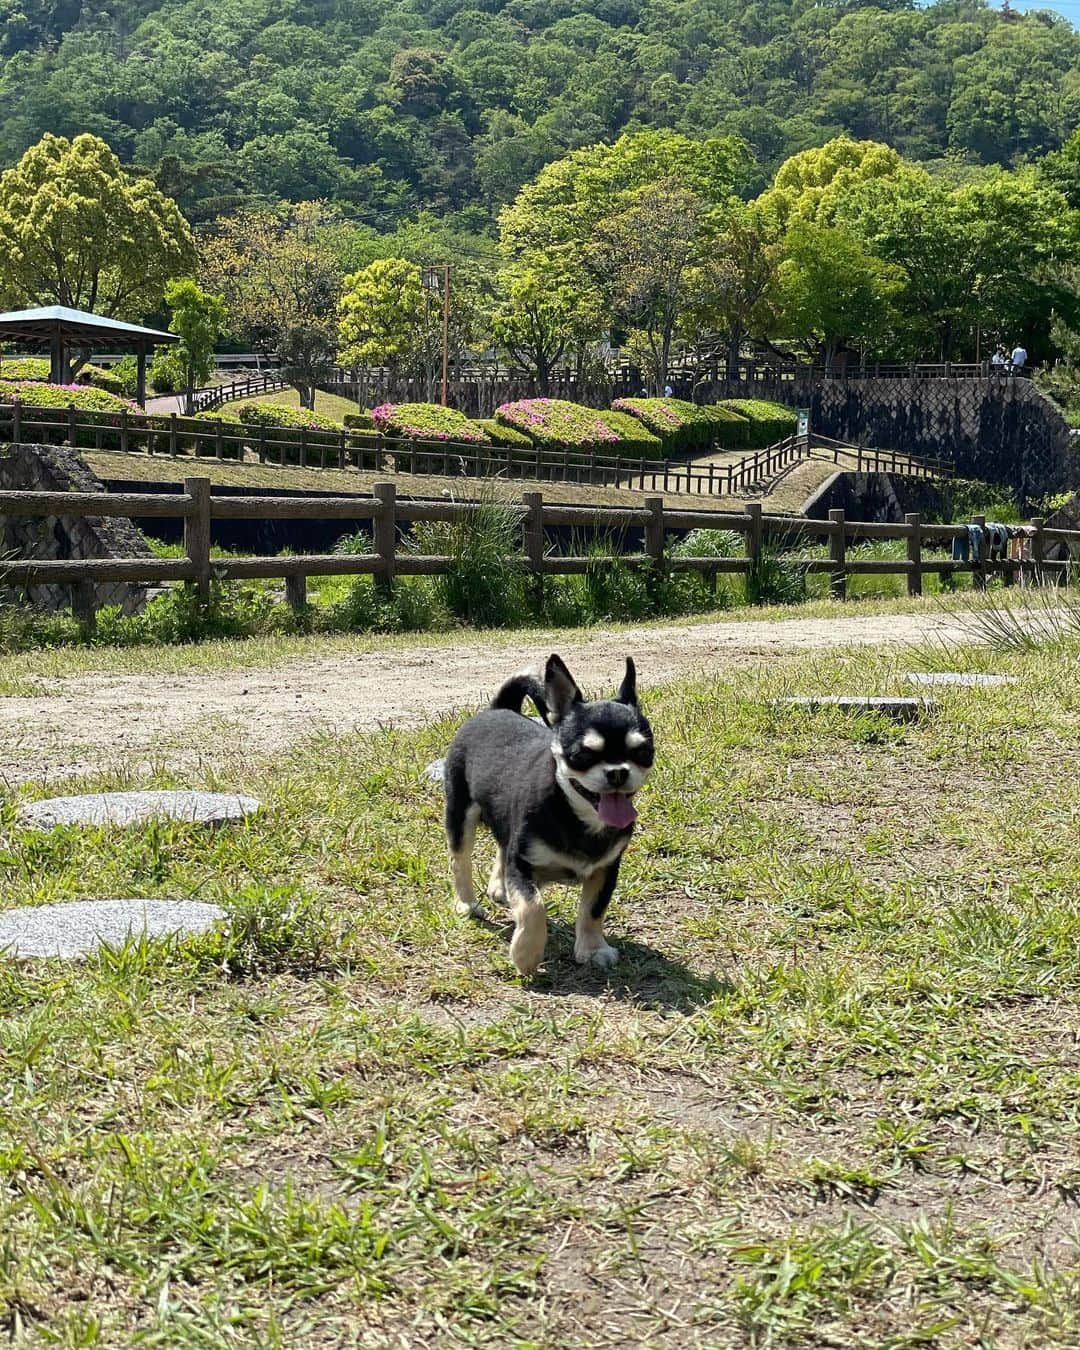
(959, 678)
(135, 808)
(74, 929)
(900, 709)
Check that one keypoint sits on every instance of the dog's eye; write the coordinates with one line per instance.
(582, 758)
(642, 754)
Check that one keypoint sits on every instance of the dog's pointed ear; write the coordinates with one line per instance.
(628, 688)
(560, 687)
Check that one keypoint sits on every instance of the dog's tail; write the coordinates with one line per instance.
(517, 689)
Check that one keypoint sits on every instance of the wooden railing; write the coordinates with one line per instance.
(199, 507)
(207, 400)
(175, 437)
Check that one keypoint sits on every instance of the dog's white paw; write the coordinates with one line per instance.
(527, 947)
(469, 909)
(603, 956)
(496, 892)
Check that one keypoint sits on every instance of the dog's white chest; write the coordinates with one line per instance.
(552, 865)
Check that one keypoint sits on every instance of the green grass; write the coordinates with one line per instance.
(329, 405)
(829, 1095)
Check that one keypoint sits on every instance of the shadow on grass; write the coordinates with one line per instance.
(643, 975)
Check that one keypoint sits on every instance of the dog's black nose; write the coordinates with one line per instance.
(617, 777)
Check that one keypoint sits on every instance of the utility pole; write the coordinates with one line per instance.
(432, 274)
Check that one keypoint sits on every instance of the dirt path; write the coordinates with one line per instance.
(215, 722)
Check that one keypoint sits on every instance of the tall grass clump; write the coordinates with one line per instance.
(1047, 617)
(485, 584)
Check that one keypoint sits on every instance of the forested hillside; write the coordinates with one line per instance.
(385, 106)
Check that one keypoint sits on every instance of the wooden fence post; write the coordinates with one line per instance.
(385, 535)
(654, 537)
(978, 559)
(16, 421)
(84, 605)
(913, 520)
(173, 441)
(754, 534)
(72, 414)
(124, 442)
(219, 444)
(533, 525)
(1038, 549)
(838, 555)
(296, 593)
(342, 448)
(197, 532)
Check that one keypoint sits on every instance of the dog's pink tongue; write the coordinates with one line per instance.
(616, 809)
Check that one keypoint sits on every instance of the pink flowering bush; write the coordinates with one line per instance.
(428, 422)
(684, 427)
(556, 424)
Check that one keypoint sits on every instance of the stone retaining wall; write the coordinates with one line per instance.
(54, 468)
(998, 429)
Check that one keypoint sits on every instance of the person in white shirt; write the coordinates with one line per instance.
(1019, 356)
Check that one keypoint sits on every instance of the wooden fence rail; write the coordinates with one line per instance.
(174, 437)
(198, 507)
(214, 396)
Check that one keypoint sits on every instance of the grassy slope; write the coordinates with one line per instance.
(829, 1094)
(330, 405)
(789, 495)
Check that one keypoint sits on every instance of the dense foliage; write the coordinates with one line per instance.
(428, 421)
(553, 423)
(679, 425)
(768, 422)
(37, 368)
(37, 394)
(391, 106)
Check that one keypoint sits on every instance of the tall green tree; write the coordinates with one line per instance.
(831, 291)
(76, 229)
(279, 271)
(200, 320)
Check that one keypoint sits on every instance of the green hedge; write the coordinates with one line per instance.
(277, 415)
(555, 424)
(82, 396)
(681, 426)
(428, 422)
(39, 368)
(769, 422)
(498, 434)
(731, 431)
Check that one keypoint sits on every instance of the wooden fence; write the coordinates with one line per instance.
(199, 507)
(171, 436)
(207, 400)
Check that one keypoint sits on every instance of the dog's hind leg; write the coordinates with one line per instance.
(530, 918)
(462, 817)
(496, 887)
(589, 943)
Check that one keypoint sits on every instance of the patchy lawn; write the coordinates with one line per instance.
(830, 1095)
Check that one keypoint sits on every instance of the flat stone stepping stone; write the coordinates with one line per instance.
(901, 709)
(965, 679)
(134, 808)
(82, 926)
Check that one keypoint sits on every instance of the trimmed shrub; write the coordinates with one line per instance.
(39, 368)
(277, 415)
(555, 424)
(769, 422)
(359, 422)
(503, 435)
(731, 431)
(84, 397)
(427, 422)
(681, 426)
(635, 438)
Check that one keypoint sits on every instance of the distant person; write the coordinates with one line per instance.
(999, 362)
(668, 391)
(1019, 357)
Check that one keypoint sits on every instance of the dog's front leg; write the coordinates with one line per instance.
(596, 893)
(530, 918)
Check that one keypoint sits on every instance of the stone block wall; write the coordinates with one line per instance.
(998, 429)
(55, 468)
